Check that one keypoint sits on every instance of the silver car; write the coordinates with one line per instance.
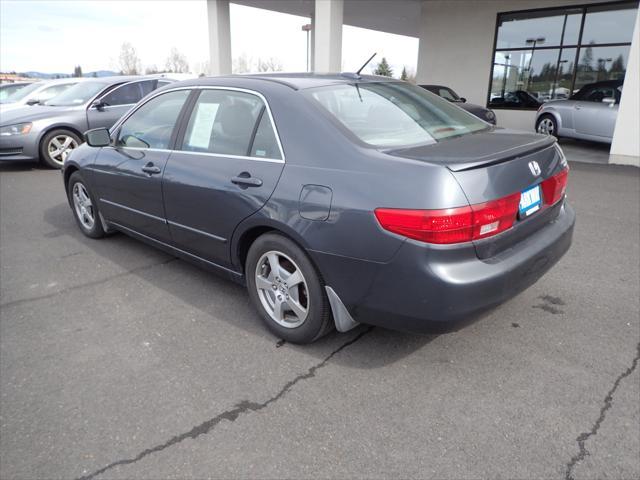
(590, 114)
(37, 93)
(50, 131)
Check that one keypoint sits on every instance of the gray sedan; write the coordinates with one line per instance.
(337, 199)
(590, 114)
(49, 132)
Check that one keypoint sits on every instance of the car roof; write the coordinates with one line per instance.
(297, 81)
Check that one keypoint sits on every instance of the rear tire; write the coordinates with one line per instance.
(56, 146)
(286, 289)
(84, 207)
(547, 125)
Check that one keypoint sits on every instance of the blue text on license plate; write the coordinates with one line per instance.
(530, 201)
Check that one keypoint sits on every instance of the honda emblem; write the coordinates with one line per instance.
(535, 168)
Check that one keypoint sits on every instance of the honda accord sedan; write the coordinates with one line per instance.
(336, 199)
(50, 131)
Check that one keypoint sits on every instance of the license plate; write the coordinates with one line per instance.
(530, 201)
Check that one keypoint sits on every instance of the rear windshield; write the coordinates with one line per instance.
(394, 114)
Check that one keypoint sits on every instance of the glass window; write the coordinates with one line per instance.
(223, 122)
(9, 89)
(448, 94)
(79, 94)
(543, 55)
(609, 24)
(599, 91)
(597, 64)
(550, 27)
(152, 124)
(126, 94)
(394, 114)
(148, 86)
(265, 143)
(52, 91)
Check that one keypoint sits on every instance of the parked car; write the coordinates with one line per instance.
(590, 114)
(50, 132)
(447, 93)
(515, 99)
(337, 199)
(7, 89)
(37, 93)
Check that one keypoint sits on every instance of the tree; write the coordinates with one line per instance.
(383, 69)
(269, 65)
(129, 62)
(618, 65)
(77, 71)
(151, 69)
(586, 64)
(241, 64)
(177, 62)
(403, 75)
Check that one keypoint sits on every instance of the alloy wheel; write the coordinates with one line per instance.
(282, 289)
(60, 147)
(83, 206)
(546, 126)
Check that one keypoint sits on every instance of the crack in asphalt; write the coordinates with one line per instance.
(231, 415)
(608, 402)
(62, 291)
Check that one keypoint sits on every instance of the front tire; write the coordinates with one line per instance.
(286, 289)
(56, 146)
(84, 206)
(547, 125)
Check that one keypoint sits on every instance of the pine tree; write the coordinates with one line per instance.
(77, 71)
(403, 75)
(383, 69)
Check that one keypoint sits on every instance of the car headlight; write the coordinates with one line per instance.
(17, 129)
(489, 115)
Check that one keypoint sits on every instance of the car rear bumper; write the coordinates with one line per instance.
(427, 288)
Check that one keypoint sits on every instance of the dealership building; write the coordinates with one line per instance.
(488, 50)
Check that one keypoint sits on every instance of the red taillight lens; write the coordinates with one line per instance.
(452, 225)
(553, 188)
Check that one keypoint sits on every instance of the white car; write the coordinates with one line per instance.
(37, 93)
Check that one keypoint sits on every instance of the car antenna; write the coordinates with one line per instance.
(357, 74)
(366, 63)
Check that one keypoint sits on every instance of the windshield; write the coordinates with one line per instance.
(79, 94)
(21, 93)
(395, 114)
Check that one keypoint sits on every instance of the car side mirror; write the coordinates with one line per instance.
(463, 100)
(98, 137)
(609, 101)
(33, 101)
(97, 104)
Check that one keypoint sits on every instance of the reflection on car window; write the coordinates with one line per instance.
(21, 93)
(49, 93)
(152, 124)
(79, 94)
(223, 122)
(394, 114)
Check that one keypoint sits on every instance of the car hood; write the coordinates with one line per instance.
(29, 113)
(488, 147)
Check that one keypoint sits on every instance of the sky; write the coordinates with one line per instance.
(54, 36)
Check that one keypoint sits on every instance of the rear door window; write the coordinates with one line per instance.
(126, 94)
(225, 122)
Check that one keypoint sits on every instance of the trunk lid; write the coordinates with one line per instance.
(492, 165)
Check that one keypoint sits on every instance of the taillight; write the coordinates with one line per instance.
(452, 225)
(553, 188)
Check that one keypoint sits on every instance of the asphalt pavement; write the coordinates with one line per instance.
(119, 361)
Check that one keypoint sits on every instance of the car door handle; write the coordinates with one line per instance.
(246, 180)
(151, 169)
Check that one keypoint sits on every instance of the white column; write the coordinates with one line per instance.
(421, 69)
(327, 32)
(219, 37)
(625, 147)
(312, 47)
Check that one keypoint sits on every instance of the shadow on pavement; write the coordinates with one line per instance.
(229, 302)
